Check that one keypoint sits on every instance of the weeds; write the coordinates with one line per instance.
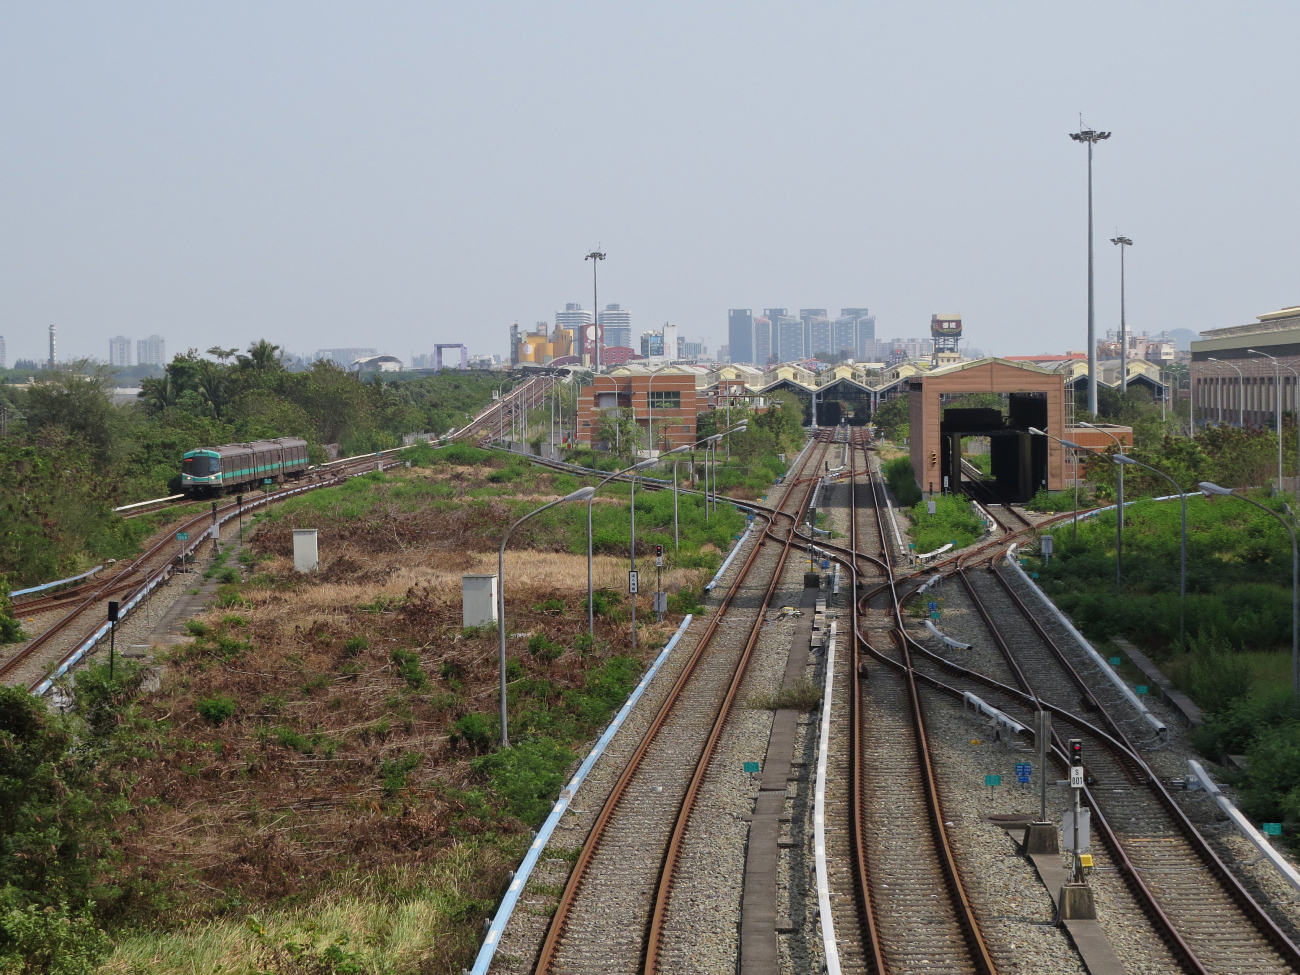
(216, 709)
(408, 666)
(803, 696)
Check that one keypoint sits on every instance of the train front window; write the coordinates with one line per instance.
(202, 466)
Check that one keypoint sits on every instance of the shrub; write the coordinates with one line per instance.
(543, 648)
(901, 479)
(474, 729)
(216, 709)
(51, 939)
(584, 643)
(355, 645)
(526, 776)
(408, 665)
(604, 602)
(685, 600)
(952, 521)
(396, 771)
(196, 628)
(550, 607)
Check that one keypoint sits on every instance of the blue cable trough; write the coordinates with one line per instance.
(57, 582)
(520, 879)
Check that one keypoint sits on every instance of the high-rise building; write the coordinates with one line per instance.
(616, 326)
(762, 342)
(808, 316)
(3, 360)
(54, 352)
(151, 351)
(652, 344)
(819, 336)
(740, 335)
(577, 318)
(119, 351)
(689, 351)
(670, 341)
(789, 338)
(844, 336)
(864, 332)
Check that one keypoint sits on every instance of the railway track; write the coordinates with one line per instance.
(915, 914)
(62, 643)
(1197, 906)
(612, 913)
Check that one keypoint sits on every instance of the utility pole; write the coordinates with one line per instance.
(1091, 137)
(1123, 242)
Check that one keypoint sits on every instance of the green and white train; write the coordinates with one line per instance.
(215, 470)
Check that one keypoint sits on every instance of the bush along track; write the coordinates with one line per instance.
(321, 758)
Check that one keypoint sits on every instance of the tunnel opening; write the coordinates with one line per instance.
(1017, 461)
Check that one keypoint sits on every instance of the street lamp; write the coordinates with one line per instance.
(1207, 488)
(582, 494)
(1123, 459)
(1075, 457)
(595, 256)
(1091, 137)
(1277, 409)
(1241, 391)
(1123, 324)
(1120, 444)
(640, 465)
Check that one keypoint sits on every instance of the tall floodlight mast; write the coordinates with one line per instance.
(595, 256)
(1091, 137)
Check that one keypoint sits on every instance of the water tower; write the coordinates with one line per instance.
(945, 330)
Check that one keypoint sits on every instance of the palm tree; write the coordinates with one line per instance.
(158, 392)
(212, 382)
(262, 357)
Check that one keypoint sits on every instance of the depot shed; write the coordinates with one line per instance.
(942, 415)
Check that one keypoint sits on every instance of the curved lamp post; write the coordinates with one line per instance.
(582, 494)
(1208, 488)
(1119, 510)
(1182, 565)
(1075, 457)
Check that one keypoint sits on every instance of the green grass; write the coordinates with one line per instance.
(901, 479)
(953, 521)
(1238, 576)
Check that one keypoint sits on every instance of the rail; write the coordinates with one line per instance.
(520, 879)
(1087, 647)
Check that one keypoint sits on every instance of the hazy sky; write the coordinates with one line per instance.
(399, 174)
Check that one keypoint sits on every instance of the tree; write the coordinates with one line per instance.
(76, 403)
(222, 355)
(616, 426)
(893, 417)
(157, 393)
(262, 357)
(212, 383)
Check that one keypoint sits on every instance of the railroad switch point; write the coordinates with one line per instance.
(1077, 903)
(1041, 838)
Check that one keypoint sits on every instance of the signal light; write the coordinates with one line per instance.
(659, 551)
(934, 457)
(1075, 747)
(112, 611)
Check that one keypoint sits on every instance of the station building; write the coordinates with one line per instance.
(1233, 379)
(1029, 396)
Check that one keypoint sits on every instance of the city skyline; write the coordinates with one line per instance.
(309, 217)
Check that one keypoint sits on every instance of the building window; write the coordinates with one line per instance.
(670, 400)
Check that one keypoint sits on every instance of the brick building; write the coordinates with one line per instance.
(670, 398)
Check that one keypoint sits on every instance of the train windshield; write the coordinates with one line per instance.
(201, 466)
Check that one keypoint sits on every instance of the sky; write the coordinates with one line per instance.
(399, 174)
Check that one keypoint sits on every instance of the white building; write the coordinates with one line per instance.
(119, 351)
(2, 353)
(616, 326)
(343, 358)
(151, 351)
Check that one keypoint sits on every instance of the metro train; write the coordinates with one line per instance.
(215, 470)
